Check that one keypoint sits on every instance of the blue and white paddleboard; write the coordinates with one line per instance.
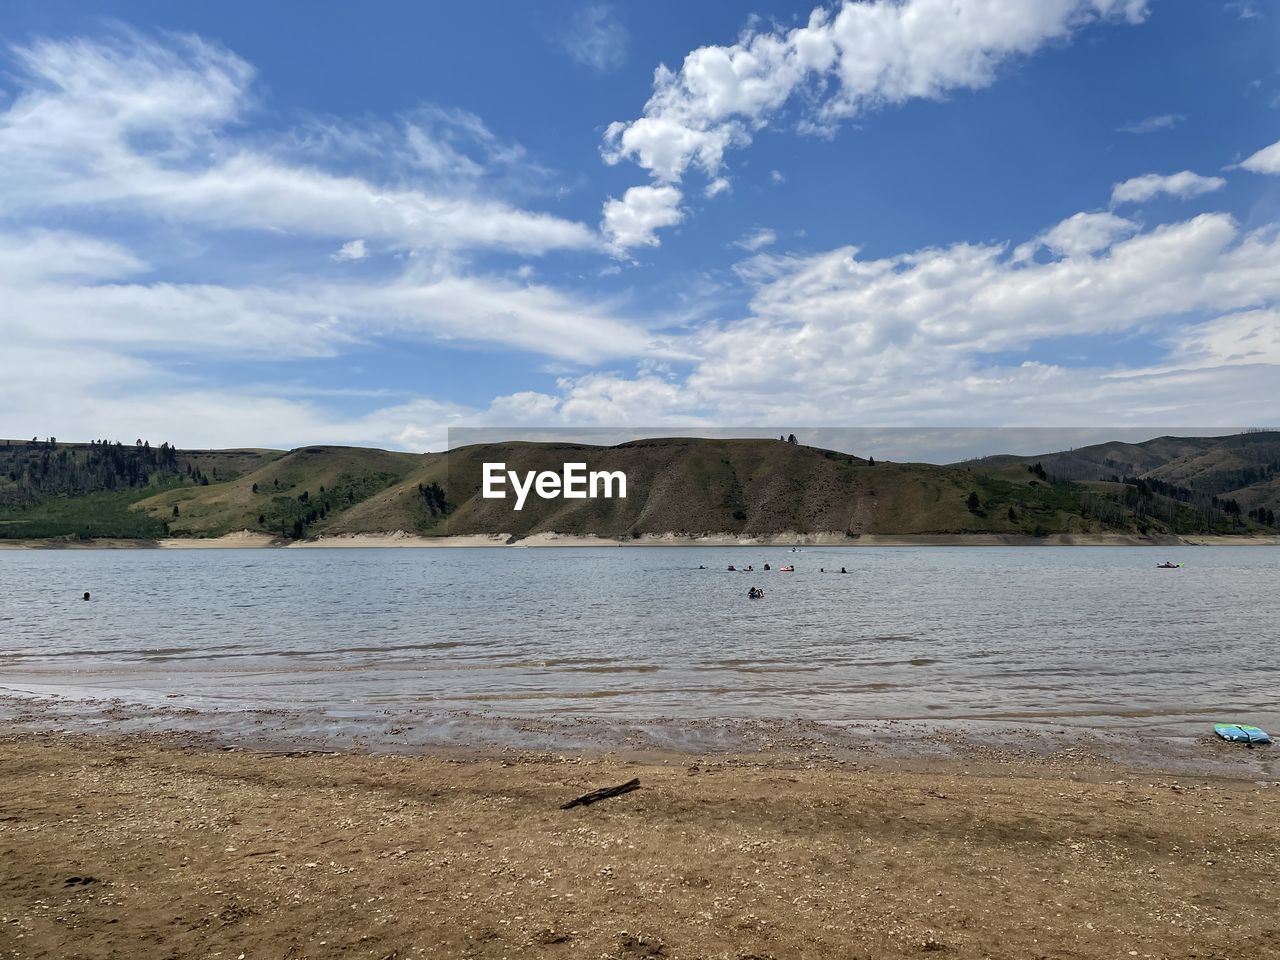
(1241, 733)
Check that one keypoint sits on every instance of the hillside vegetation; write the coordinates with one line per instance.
(680, 486)
(89, 490)
(1188, 484)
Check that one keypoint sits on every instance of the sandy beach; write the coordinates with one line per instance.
(162, 847)
(400, 539)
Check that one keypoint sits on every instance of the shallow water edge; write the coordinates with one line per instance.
(766, 739)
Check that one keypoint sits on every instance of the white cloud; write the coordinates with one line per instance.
(1081, 234)
(37, 255)
(859, 58)
(944, 335)
(1266, 160)
(1163, 121)
(105, 393)
(1250, 337)
(1245, 9)
(89, 298)
(757, 239)
(596, 38)
(137, 128)
(1182, 185)
(974, 298)
(777, 176)
(634, 220)
(351, 251)
(132, 131)
(934, 336)
(716, 187)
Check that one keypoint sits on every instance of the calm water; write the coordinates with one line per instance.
(1090, 636)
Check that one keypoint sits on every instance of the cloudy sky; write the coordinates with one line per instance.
(282, 224)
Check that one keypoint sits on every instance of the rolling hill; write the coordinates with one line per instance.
(681, 486)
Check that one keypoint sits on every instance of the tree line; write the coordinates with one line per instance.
(42, 468)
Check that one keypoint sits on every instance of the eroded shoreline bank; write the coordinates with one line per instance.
(246, 539)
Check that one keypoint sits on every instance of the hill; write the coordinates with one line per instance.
(1207, 473)
(681, 486)
(89, 490)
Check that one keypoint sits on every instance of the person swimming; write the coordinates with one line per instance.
(733, 568)
(755, 593)
(766, 566)
(86, 594)
(843, 570)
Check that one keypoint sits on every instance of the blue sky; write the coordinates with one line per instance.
(225, 225)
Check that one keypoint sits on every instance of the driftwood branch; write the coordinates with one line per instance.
(604, 794)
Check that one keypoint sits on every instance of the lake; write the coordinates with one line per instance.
(1090, 637)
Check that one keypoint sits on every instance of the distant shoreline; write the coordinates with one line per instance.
(246, 539)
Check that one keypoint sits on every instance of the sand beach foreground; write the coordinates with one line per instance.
(167, 847)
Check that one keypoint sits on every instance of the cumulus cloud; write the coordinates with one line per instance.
(861, 57)
(1080, 234)
(948, 334)
(1183, 185)
(634, 220)
(974, 297)
(1266, 160)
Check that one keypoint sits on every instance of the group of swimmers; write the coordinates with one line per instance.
(751, 569)
(755, 593)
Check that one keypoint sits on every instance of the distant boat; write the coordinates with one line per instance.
(1168, 566)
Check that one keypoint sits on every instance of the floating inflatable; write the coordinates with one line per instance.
(1241, 733)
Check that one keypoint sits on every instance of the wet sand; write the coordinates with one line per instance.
(166, 847)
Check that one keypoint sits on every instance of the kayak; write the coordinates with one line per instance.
(1241, 733)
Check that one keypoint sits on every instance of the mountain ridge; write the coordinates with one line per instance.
(679, 486)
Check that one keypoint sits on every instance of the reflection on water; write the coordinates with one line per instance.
(1092, 636)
